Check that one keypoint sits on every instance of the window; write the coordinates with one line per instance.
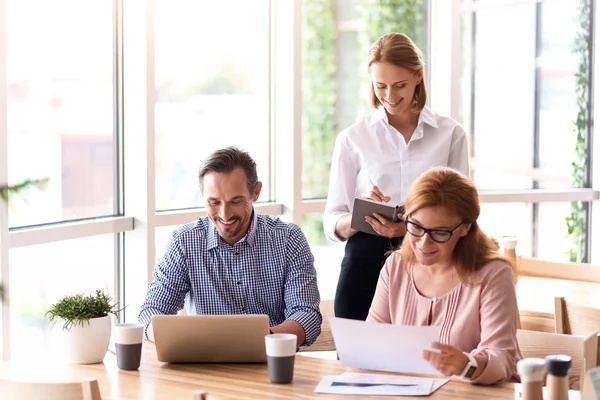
(59, 59)
(212, 91)
(521, 92)
(328, 255)
(336, 39)
(41, 275)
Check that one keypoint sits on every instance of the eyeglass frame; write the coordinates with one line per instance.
(428, 231)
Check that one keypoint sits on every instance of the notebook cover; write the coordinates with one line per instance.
(364, 207)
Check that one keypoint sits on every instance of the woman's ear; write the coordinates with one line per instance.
(465, 229)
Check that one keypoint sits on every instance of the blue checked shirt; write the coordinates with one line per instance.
(269, 271)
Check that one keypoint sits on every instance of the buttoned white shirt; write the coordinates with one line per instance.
(373, 150)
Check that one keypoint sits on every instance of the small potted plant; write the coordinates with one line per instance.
(86, 325)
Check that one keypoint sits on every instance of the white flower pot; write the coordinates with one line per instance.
(87, 344)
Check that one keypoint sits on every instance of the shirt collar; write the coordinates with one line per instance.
(425, 116)
(213, 238)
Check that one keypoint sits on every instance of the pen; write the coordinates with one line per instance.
(372, 184)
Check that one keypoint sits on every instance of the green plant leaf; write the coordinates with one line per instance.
(78, 309)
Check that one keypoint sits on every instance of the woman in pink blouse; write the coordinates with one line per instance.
(448, 273)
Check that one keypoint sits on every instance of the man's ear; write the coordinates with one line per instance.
(256, 192)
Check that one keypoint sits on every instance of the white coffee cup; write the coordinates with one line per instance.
(128, 344)
(281, 353)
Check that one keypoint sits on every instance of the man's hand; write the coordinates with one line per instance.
(291, 326)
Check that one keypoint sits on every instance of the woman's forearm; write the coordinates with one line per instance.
(342, 227)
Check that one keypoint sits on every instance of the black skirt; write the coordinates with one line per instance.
(364, 257)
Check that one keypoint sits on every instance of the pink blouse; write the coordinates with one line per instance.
(480, 319)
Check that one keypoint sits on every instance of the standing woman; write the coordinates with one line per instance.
(378, 158)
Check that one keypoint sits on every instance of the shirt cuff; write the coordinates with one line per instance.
(145, 318)
(494, 371)
(329, 223)
(311, 323)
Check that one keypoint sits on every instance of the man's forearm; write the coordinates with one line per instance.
(289, 326)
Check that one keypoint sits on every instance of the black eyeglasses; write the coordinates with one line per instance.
(437, 235)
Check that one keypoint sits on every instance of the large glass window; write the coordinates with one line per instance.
(524, 102)
(212, 68)
(328, 255)
(59, 60)
(336, 37)
(41, 275)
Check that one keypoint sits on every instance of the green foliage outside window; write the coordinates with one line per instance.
(320, 83)
(575, 221)
(383, 16)
(318, 104)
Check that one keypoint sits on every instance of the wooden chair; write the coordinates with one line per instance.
(325, 340)
(571, 318)
(88, 389)
(582, 350)
(575, 319)
(537, 321)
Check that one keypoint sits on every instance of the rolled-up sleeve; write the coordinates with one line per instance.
(498, 315)
(171, 283)
(459, 151)
(342, 185)
(301, 292)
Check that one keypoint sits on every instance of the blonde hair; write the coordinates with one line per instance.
(399, 50)
(443, 186)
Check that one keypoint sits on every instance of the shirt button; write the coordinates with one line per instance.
(239, 282)
(434, 299)
(244, 309)
(236, 253)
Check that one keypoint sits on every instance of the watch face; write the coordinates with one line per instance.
(470, 371)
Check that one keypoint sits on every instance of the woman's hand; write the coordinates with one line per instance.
(450, 361)
(376, 195)
(385, 227)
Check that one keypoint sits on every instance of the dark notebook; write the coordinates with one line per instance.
(364, 207)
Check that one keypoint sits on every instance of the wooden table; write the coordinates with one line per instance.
(157, 380)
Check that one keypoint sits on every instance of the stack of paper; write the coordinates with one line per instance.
(378, 384)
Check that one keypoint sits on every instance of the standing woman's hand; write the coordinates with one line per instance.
(385, 227)
(376, 195)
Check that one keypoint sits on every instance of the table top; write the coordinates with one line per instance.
(156, 380)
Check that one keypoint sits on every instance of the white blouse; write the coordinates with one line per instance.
(372, 149)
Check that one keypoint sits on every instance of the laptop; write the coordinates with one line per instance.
(211, 338)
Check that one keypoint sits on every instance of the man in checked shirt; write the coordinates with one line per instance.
(235, 261)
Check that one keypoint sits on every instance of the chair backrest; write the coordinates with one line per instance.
(581, 349)
(88, 389)
(537, 321)
(575, 319)
(325, 340)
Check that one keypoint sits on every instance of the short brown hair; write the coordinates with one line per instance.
(443, 186)
(228, 159)
(397, 49)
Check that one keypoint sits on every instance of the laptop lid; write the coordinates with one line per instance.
(210, 338)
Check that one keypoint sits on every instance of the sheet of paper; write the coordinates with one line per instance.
(383, 347)
(375, 384)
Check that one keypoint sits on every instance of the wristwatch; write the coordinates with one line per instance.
(470, 368)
